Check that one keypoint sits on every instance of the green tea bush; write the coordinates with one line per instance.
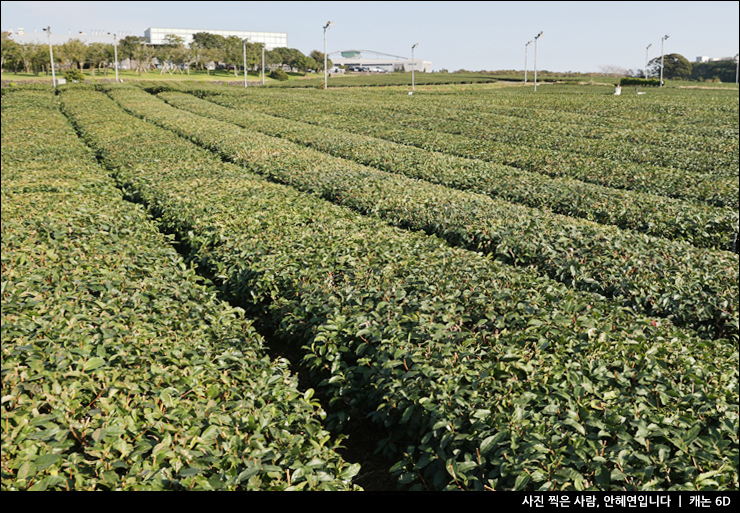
(588, 256)
(450, 125)
(121, 370)
(646, 82)
(702, 225)
(487, 376)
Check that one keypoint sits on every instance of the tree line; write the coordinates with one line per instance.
(174, 56)
(676, 66)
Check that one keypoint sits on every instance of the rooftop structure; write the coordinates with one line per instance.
(22, 36)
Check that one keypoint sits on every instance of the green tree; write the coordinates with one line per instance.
(75, 51)
(301, 63)
(171, 53)
(312, 64)
(286, 56)
(40, 58)
(100, 55)
(723, 70)
(258, 55)
(174, 40)
(208, 48)
(9, 49)
(202, 57)
(138, 51)
(24, 57)
(128, 46)
(234, 53)
(180, 57)
(207, 41)
(254, 55)
(272, 59)
(319, 58)
(143, 55)
(674, 66)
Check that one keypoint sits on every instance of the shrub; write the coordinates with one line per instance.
(74, 75)
(628, 81)
(279, 74)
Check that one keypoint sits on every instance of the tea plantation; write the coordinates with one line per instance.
(520, 291)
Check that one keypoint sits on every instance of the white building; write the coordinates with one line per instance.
(704, 58)
(271, 40)
(381, 60)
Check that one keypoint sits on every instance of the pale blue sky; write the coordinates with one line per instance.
(578, 36)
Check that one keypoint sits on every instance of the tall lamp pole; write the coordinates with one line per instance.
(535, 59)
(413, 65)
(326, 80)
(662, 54)
(525, 60)
(51, 56)
(115, 54)
(263, 64)
(646, 58)
(245, 61)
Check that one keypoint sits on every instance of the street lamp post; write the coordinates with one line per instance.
(662, 55)
(245, 61)
(51, 56)
(413, 65)
(263, 64)
(525, 60)
(326, 79)
(535, 59)
(115, 54)
(646, 59)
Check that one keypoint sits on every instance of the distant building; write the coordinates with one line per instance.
(271, 40)
(371, 58)
(153, 35)
(704, 58)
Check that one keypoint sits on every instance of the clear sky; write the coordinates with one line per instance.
(577, 36)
